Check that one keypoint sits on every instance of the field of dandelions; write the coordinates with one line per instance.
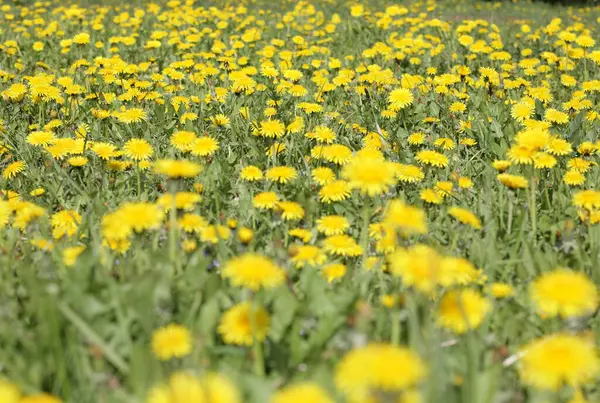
(299, 202)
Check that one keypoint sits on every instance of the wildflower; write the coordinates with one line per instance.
(332, 225)
(204, 146)
(9, 393)
(465, 217)
(271, 128)
(501, 290)
(564, 292)
(462, 310)
(501, 165)
(431, 196)
(408, 219)
(301, 392)
(290, 211)
(138, 149)
(133, 115)
(323, 175)
(334, 271)
(400, 98)
(253, 271)
(559, 359)
(341, 245)
(183, 140)
(13, 169)
(177, 168)
(365, 371)
(409, 173)
(251, 173)
(171, 341)
(574, 177)
(419, 267)
(588, 199)
(433, 158)
(337, 153)
(281, 174)
(335, 191)
(265, 200)
(243, 324)
(308, 255)
(513, 181)
(372, 176)
(65, 223)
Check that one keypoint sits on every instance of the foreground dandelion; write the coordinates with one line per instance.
(372, 176)
(557, 360)
(171, 341)
(564, 292)
(253, 271)
(244, 324)
(177, 169)
(302, 392)
(462, 310)
(367, 371)
(185, 387)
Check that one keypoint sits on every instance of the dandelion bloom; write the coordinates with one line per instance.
(301, 392)
(465, 216)
(565, 293)
(171, 341)
(342, 245)
(364, 372)
(184, 387)
(559, 359)
(204, 146)
(265, 200)
(332, 225)
(419, 267)
(335, 191)
(334, 271)
(13, 169)
(290, 211)
(372, 176)
(433, 158)
(243, 324)
(281, 174)
(323, 175)
(251, 173)
(308, 255)
(177, 168)
(462, 310)
(408, 219)
(138, 149)
(400, 98)
(588, 199)
(513, 181)
(253, 271)
(133, 115)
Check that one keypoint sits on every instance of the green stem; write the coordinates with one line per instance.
(173, 231)
(532, 207)
(470, 384)
(139, 181)
(364, 240)
(259, 361)
(395, 328)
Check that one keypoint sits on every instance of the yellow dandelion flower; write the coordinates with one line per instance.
(171, 341)
(565, 293)
(559, 359)
(243, 324)
(253, 271)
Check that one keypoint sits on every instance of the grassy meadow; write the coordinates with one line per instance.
(299, 202)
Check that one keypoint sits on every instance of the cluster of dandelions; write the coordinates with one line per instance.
(338, 161)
